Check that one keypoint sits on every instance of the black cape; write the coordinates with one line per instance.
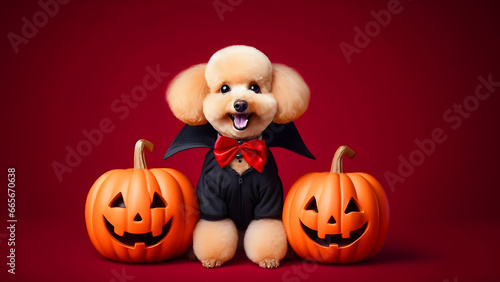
(222, 192)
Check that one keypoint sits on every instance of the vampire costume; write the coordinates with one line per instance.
(222, 192)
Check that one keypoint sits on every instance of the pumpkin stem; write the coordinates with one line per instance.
(139, 160)
(337, 165)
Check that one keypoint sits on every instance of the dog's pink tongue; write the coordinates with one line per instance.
(240, 121)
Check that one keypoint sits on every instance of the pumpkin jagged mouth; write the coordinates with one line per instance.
(334, 238)
(130, 239)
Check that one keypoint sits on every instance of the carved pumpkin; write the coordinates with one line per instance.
(140, 214)
(336, 217)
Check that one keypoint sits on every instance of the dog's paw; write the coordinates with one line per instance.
(269, 263)
(211, 263)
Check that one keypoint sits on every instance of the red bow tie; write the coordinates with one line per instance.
(254, 152)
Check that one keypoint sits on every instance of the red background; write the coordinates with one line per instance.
(444, 216)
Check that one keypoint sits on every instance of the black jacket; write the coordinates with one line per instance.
(223, 193)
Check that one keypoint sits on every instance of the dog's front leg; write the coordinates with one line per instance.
(265, 242)
(215, 242)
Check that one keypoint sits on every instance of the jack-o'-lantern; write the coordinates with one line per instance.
(140, 214)
(336, 217)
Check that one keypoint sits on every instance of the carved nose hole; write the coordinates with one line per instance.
(137, 217)
(331, 220)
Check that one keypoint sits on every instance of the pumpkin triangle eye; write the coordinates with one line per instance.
(352, 206)
(312, 205)
(118, 202)
(157, 202)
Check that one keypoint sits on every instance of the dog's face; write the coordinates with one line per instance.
(239, 92)
(240, 104)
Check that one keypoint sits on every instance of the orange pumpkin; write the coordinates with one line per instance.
(140, 214)
(336, 217)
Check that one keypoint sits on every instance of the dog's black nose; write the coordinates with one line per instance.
(240, 105)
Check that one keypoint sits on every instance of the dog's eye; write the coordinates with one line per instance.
(225, 88)
(255, 88)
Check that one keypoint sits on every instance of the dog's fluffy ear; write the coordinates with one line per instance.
(186, 93)
(291, 93)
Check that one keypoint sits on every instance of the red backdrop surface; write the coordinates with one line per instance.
(381, 87)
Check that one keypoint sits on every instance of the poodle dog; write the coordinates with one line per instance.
(234, 98)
